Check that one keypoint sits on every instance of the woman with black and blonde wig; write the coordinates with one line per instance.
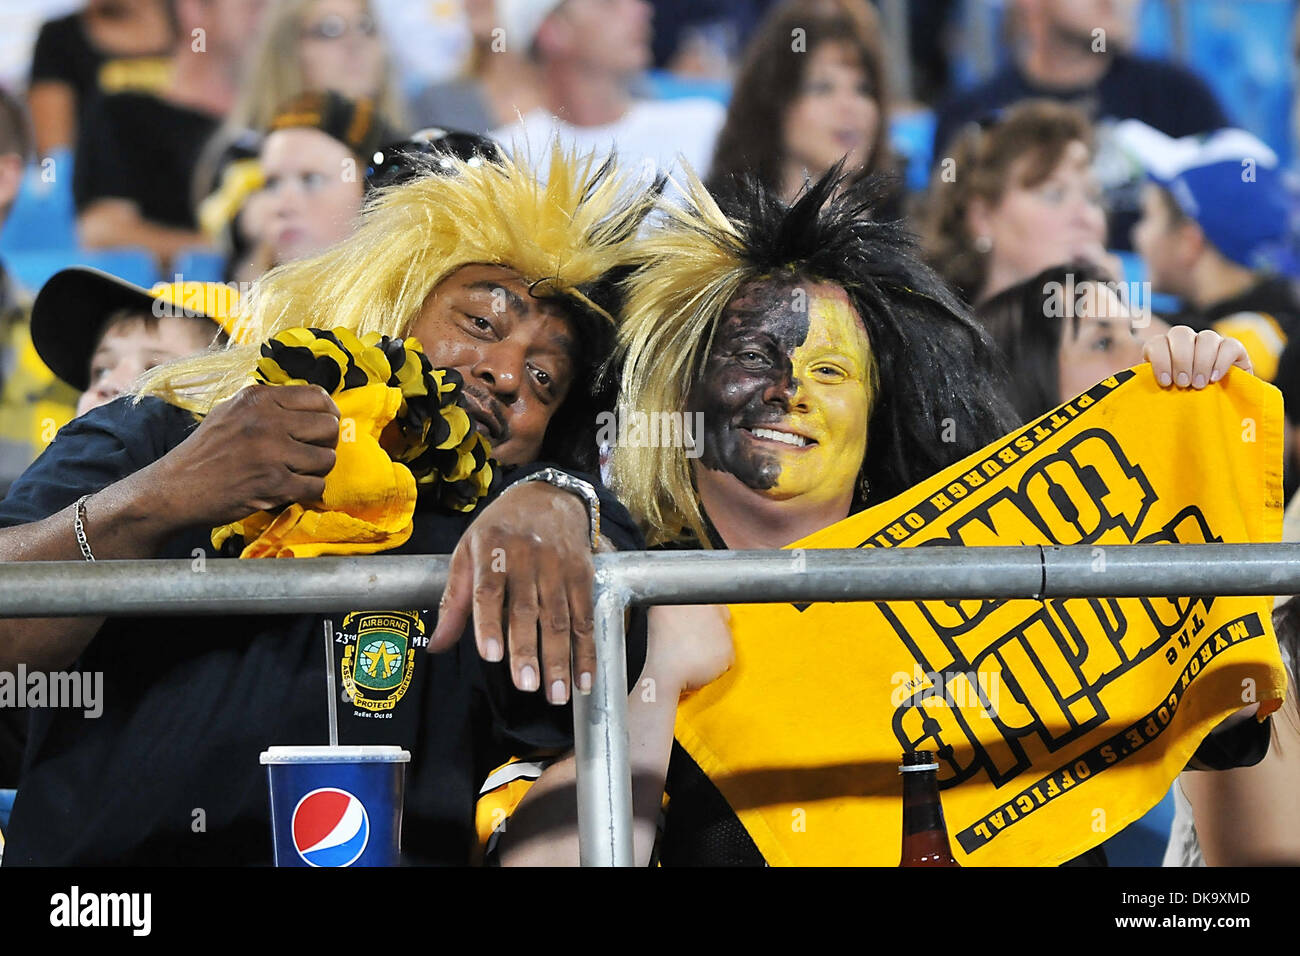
(831, 370)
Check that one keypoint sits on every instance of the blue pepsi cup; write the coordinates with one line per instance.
(336, 806)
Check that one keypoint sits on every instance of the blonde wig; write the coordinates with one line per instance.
(568, 237)
(932, 362)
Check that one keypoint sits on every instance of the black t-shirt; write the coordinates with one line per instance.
(169, 773)
(139, 147)
(65, 54)
(1163, 95)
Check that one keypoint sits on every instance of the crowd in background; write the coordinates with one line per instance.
(218, 139)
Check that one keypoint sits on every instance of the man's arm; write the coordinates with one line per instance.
(525, 564)
(261, 449)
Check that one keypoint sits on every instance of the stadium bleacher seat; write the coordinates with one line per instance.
(43, 216)
(912, 136)
(1143, 842)
(198, 265)
(662, 85)
(32, 267)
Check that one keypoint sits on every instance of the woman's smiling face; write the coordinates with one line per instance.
(786, 391)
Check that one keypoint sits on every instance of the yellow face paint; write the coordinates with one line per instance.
(786, 393)
(832, 402)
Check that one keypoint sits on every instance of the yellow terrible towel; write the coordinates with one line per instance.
(401, 422)
(1056, 723)
(369, 499)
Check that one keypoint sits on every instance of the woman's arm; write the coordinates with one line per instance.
(1251, 816)
(689, 646)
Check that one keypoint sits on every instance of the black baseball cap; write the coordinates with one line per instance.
(73, 306)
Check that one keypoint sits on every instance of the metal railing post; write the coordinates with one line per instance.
(600, 739)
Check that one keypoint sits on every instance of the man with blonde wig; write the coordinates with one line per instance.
(465, 317)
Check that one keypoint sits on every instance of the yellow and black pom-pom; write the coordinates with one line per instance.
(431, 434)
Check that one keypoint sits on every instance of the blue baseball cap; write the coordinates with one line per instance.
(1228, 182)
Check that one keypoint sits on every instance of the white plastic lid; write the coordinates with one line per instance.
(327, 754)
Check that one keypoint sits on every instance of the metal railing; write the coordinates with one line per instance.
(320, 585)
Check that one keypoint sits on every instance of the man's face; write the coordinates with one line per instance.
(1162, 243)
(785, 392)
(1077, 19)
(515, 353)
(609, 35)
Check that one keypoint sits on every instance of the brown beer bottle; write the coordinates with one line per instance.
(925, 836)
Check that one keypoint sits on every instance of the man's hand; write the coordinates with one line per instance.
(526, 560)
(265, 447)
(1183, 357)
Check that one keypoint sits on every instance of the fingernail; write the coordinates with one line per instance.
(528, 678)
(584, 683)
(1215, 375)
(558, 692)
(1164, 378)
(492, 649)
(1183, 379)
(1198, 382)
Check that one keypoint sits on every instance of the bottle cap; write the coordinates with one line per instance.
(918, 760)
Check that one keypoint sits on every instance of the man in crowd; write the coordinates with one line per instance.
(507, 285)
(588, 52)
(33, 402)
(1076, 51)
(1215, 232)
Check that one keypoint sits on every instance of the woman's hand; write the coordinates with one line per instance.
(1183, 357)
(690, 645)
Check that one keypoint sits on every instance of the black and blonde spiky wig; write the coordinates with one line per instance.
(569, 237)
(937, 396)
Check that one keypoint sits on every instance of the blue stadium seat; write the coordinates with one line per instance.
(33, 267)
(199, 265)
(1143, 842)
(912, 136)
(43, 216)
(1243, 50)
(662, 85)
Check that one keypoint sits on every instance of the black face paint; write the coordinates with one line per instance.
(748, 380)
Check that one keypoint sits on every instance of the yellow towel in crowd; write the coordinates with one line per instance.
(400, 422)
(1057, 723)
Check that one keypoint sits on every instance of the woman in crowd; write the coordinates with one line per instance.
(821, 354)
(1015, 197)
(313, 162)
(811, 92)
(1061, 332)
(305, 46)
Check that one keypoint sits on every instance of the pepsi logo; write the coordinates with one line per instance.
(330, 828)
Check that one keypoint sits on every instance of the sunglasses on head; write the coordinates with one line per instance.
(428, 151)
(333, 26)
